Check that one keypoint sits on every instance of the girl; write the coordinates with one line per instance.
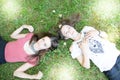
(27, 48)
(91, 44)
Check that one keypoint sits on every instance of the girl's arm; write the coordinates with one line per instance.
(93, 33)
(20, 72)
(16, 34)
(84, 59)
(80, 55)
(103, 34)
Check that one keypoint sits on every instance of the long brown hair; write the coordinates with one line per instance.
(71, 21)
(40, 53)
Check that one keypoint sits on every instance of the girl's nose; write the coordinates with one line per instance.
(71, 31)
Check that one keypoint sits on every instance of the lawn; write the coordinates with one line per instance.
(43, 15)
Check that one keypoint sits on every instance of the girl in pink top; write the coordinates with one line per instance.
(27, 48)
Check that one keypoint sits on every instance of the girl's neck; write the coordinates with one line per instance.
(33, 48)
(36, 47)
(77, 37)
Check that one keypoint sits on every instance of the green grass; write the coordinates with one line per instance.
(58, 64)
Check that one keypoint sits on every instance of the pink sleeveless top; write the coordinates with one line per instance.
(14, 51)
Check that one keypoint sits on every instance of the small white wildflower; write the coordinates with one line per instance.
(60, 15)
(60, 26)
(53, 11)
(64, 43)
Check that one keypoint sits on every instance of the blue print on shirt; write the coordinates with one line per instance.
(95, 46)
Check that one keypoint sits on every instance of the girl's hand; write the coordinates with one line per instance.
(91, 33)
(71, 48)
(39, 75)
(84, 43)
(29, 27)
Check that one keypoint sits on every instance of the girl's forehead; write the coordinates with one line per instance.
(64, 27)
(47, 40)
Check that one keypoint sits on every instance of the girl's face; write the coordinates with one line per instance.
(69, 31)
(44, 43)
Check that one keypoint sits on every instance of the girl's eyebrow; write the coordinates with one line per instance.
(66, 30)
(44, 42)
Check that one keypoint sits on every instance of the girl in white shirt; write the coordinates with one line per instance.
(93, 45)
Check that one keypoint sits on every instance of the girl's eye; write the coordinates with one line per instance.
(45, 44)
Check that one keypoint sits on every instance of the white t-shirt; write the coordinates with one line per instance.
(102, 52)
